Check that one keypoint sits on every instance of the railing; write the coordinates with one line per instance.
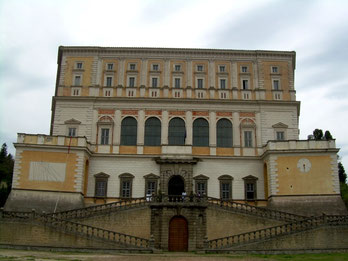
(99, 209)
(271, 232)
(177, 199)
(253, 210)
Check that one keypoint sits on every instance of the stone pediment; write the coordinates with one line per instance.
(102, 175)
(126, 175)
(151, 176)
(280, 125)
(72, 122)
(201, 177)
(225, 177)
(251, 177)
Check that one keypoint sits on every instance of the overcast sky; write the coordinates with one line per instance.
(31, 31)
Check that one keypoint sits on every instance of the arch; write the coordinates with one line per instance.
(224, 133)
(178, 234)
(201, 132)
(176, 132)
(129, 128)
(152, 132)
(176, 185)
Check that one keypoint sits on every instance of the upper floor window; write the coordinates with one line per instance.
(177, 67)
(129, 127)
(72, 132)
(154, 82)
(131, 82)
(250, 183)
(200, 83)
(110, 66)
(101, 185)
(222, 68)
(77, 80)
(280, 135)
(245, 84)
(224, 133)
(201, 133)
(248, 139)
(222, 83)
(177, 82)
(104, 139)
(109, 81)
(126, 181)
(225, 187)
(155, 67)
(176, 132)
(276, 85)
(275, 69)
(132, 66)
(200, 68)
(244, 69)
(152, 132)
(79, 65)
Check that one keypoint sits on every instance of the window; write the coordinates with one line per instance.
(129, 131)
(201, 133)
(177, 67)
(72, 132)
(222, 68)
(107, 92)
(245, 84)
(200, 68)
(248, 140)
(110, 66)
(201, 185)
(176, 132)
(200, 83)
(131, 81)
(109, 81)
(250, 187)
(274, 69)
(76, 92)
(101, 185)
(222, 83)
(276, 85)
(154, 82)
(244, 69)
(151, 181)
(132, 66)
(79, 65)
(77, 80)
(104, 140)
(225, 187)
(280, 135)
(155, 67)
(152, 132)
(224, 133)
(126, 180)
(177, 82)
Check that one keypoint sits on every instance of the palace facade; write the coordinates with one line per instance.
(136, 122)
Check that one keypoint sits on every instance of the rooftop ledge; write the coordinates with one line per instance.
(299, 145)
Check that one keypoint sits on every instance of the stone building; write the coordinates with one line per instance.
(135, 122)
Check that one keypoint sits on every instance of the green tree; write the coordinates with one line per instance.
(342, 173)
(6, 171)
(343, 185)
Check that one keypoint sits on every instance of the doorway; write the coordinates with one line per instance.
(178, 234)
(176, 186)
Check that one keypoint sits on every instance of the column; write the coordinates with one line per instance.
(188, 128)
(236, 130)
(141, 128)
(212, 129)
(143, 73)
(117, 129)
(120, 72)
(166, 73)
(258, 129)
(164, 129)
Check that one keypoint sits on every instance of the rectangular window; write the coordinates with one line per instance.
(126, 189)
(276, 85)
(222, 68)
(177, 82)
(177, 68)
(77, 80)
(154, 82)
(76, 92)
(274, 69)
(201, 188)
(131, 81)
(100, 188)
(200, 83)
(225, 190)
(110, 66)
(107, 93)
(222, 83)
(109, 81)
(151, 188)
(104, 136)
(72, 132)
(280, 135)
(248, 139)
(155, 67)
(78, 65)
(132, 66)
(245, 84)
(244, 69)
(250, 191)
(200, 68)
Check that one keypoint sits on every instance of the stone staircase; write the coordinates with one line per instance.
(234, 241)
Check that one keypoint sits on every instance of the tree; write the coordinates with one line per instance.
(318, 134)
(328, 135)
(6, 172)
(342, 173)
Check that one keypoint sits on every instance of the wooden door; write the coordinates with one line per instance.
(178, 234)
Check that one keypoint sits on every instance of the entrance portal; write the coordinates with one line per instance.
(178, 234)
(176, 186)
